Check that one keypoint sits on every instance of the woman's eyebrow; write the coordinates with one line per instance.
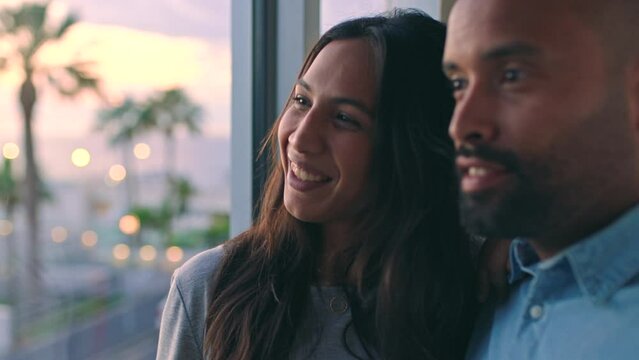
(341, 100)
(355, 103)
(303, 84)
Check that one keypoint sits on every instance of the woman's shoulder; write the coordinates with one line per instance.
(200, 268)
(183, 319)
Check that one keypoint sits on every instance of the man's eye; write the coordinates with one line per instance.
(458, 84)
(511, 75)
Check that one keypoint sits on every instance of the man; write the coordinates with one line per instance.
(547, 131)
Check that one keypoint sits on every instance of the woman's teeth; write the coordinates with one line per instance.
(304, 175)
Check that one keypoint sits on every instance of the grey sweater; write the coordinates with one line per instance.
(182, 329)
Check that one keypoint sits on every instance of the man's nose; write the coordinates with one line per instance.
(474, 118)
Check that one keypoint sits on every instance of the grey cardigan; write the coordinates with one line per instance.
(323, 334)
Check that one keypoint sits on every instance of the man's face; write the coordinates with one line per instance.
(540, 124)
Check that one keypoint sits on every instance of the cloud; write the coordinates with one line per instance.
(137, 62)
(208, 19)
(128, 58)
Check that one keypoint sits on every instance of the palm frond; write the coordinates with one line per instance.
(69, 21)
(73, 79)
(29, 16)
(122, 122)
(172, 109)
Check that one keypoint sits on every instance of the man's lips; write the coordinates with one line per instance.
(480, 175)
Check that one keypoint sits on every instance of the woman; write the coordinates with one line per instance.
(357, 251)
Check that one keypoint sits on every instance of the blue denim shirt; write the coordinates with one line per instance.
(580, 304)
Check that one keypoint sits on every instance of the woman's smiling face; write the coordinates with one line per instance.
(326, 134)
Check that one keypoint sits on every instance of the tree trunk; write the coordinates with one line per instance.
(169, 158)
(131, 186)
(12, 285)
(129, 191)
(31, 189)
(9, 203)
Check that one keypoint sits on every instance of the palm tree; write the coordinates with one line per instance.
(166, 112)
(175, 204)
(28, 30)
(181, 192)
(122, 122)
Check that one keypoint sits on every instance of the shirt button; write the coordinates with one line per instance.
(338, 304)
(536, 311)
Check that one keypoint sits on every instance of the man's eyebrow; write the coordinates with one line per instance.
(511, 49)
(499, 52)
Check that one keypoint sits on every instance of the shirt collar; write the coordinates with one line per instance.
(522, 257)
(601, 263)
(608, 259)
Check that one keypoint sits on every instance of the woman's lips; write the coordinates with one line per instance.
(306, 174)
(302, 178)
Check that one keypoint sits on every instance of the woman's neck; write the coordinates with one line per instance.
(333, 260)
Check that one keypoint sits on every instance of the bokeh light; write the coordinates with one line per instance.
(6, 227)
(59, 234)
(121, 251)
(148, 253)
(80, 157)
(89, 238)
(117, 173)
(129, 224)
(142, 151)
(174, 254)
(10, 151)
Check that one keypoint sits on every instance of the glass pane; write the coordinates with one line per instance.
(334, 11)
(130, 125)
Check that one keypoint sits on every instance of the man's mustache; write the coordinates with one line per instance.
(507, 159)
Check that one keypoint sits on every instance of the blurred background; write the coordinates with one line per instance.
(129, 131)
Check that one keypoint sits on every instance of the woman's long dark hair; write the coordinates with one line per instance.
(413, 295)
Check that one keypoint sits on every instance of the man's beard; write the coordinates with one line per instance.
(520, 208)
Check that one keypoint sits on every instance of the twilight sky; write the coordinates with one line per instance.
(136, 49)
(143, 45)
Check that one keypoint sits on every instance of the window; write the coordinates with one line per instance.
(128, 191)
(135, 168)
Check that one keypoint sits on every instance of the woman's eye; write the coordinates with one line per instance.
(347, 121)
(299, 100)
